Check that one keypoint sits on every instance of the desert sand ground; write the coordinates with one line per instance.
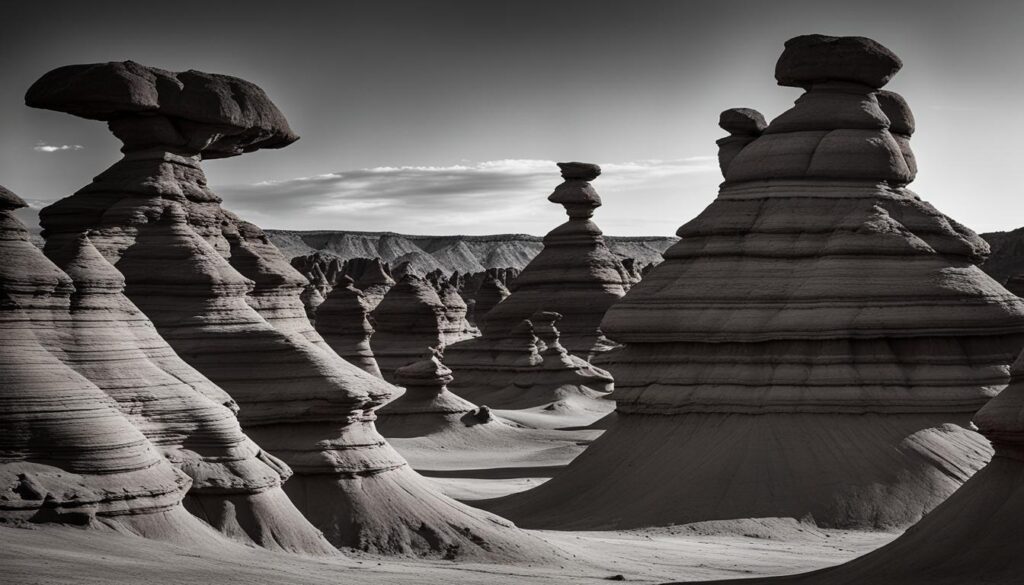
(724, 550)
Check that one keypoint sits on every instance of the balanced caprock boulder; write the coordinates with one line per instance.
(228, 303)
(817, 342)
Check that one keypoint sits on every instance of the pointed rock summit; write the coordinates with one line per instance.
(227, 302)
(816, 343)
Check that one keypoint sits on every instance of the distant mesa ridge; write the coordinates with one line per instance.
(421, 255)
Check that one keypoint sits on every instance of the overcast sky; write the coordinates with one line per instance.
(447, 116)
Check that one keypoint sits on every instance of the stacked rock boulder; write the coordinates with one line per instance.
(575, 274)
(227, 302)
(236, 486)
(343, 321)
(814, 344)
(67, 454)
(409, 321)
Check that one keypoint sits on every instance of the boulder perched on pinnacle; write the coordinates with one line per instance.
(217, 115)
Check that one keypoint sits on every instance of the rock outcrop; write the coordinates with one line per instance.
(814, 344)
(343, 321)
(227, 301)
(67, 453)
(1006, 263)
(236, 486)
(371, 276)
(575, 274)
(409, 321)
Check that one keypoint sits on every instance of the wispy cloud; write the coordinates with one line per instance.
(486, 197)
(43, 147)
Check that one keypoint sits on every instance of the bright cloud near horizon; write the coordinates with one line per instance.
(500, 196)
(43, 147)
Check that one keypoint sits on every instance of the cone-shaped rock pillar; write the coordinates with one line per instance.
(236, 486)
(816, 342)
(575, 274)
(67, 453)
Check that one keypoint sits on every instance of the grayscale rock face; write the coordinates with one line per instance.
(409, 320)
(226, 300)
(816, 341)
(575, 274)
(236, 486)
(343, 321)
(67, 454)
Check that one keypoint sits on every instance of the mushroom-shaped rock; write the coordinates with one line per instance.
(811, 59)
(227, 301)
(814, 346)
(216, 115)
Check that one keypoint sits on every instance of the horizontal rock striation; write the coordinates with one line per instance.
(813, 344)
(228, 303)
(236, 486)
(67, 454)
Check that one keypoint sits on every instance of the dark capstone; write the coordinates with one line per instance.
(579, 171)
(742, 122)
(225, 115)
(813, 59)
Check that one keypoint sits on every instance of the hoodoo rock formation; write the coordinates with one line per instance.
(236, 487)
(575, 274)
(227, 302)
(371, 276)
(815, 342)
(343, 321)
(409, 320)
(67, 454)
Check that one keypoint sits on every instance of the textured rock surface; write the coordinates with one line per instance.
(67, 454)
(809, 346)
(972, 537)
(409, 320)
(227, 302)
(236, 486)
(521, 371)
(575, 274)
(342, 320)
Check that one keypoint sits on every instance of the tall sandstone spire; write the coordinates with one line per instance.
(816, 342)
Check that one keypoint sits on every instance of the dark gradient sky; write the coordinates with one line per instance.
(451, 87)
